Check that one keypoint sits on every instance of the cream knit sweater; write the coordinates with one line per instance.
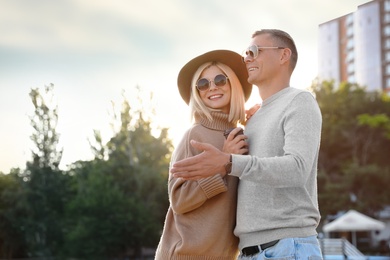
(201, 218)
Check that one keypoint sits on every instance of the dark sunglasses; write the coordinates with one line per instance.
(253, 51)
(204, 84)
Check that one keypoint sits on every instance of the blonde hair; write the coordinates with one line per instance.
(237, 99)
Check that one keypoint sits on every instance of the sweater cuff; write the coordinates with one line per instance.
(239, 163)
(213, 185)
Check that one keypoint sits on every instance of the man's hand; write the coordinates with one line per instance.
(210, 162)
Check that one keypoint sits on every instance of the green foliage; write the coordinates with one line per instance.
(381, 121)
(44, 187)
(32, 201)
(354, 151)
(332, 195)
(109, 207)
(121, 196)
(12, 244)
(99, 218)
(44, 121)
(46, 193)
(369, 184)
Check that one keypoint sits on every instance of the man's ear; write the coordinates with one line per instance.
(285, 56)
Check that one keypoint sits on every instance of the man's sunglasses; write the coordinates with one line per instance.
(253, 51)
(204, 84)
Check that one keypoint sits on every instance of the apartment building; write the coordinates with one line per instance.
(356, 47)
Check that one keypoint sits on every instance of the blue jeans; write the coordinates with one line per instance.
(302, 248)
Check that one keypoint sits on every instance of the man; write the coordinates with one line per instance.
(277, 211)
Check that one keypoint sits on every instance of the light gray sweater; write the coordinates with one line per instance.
(277, 194)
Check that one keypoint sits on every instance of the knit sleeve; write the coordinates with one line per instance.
(301, 127)
(187, 195)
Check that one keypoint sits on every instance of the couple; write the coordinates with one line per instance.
(276, 197)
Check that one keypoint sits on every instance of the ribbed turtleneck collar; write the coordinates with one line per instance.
(220, 121)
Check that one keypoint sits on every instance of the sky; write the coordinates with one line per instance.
(95, 52)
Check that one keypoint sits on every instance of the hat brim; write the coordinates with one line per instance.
(229, 58)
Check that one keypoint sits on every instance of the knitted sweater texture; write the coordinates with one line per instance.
(201, 218)
(277, 193)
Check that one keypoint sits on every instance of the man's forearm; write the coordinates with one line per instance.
(210, 162)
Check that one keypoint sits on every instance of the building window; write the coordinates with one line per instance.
(350, 56)
(386, 30)
(350, 44)
(350, 31)
(350, 68)
(386, 18)
(387, 5)
(387, 44)
(388, 82)
(351, 79)
(387, 57)
(349, 20)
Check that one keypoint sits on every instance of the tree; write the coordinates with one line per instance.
(354, 147)
(378, 121)
(121, 196)
(44, 185)
(368, 185)
(12, 244)
(44, 121)
(110, 207)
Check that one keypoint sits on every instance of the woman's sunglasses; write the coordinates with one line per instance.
(204, 84)
(253, 51)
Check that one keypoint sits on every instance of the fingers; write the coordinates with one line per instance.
(185, 164)
(250, 112)
(238, 145)
(201, 146)
(242, 147)
(188, 169)
(255, 108)
(209, 162)
(238, 131)
(191, 166)
(187, 176)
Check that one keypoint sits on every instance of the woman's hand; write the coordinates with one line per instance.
(251, 111)
(235, 142)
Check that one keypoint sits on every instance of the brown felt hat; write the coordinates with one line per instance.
(230, 58)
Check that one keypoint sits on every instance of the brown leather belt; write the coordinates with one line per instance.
(251, 250)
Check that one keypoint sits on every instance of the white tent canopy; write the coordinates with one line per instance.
(353, 221)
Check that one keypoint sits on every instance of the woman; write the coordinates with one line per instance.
(201, 217)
